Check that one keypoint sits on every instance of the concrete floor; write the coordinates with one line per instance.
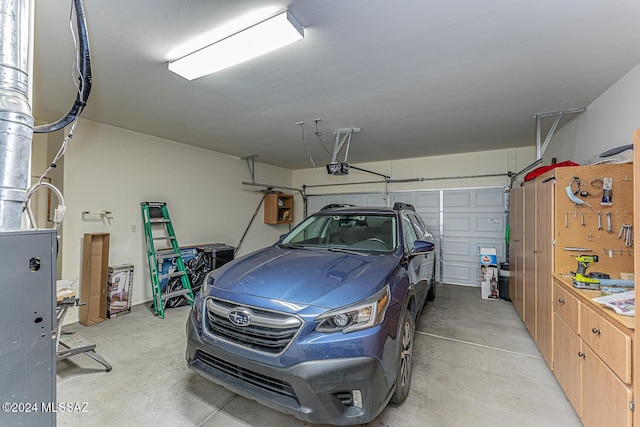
(474, 365)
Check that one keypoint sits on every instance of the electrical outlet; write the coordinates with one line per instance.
(133, 228)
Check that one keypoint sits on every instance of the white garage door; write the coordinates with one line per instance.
(472, 219)
(315, 203)
(461, 220)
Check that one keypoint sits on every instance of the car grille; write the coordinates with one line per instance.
(269, 331)
(263, 382)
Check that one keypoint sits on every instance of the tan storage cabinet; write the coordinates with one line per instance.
(589, 348)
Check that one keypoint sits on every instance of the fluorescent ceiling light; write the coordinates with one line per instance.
(259, 39)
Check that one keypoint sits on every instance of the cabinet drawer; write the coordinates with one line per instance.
(611, 344)
(566, 305)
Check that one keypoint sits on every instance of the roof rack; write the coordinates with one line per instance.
(336, 205)
(403, 206)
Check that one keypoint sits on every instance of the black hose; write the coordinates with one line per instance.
(264, 195)
(85, 73)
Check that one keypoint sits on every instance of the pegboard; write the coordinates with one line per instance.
(577, 225)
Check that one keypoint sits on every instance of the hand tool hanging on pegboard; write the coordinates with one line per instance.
(626, 233)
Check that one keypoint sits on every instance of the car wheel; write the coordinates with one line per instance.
(405, 359)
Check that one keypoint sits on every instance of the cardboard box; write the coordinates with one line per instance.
(219, 254)
(488, 257)
(93, 288)
(168, 265)
(489, 273)
(119, 288)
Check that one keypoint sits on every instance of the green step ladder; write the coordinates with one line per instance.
(155, 216)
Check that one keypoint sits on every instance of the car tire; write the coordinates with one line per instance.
(404, 360)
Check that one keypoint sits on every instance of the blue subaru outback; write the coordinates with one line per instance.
(321, 324)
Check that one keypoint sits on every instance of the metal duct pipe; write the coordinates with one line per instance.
(16, 121)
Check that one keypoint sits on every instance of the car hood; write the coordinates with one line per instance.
(310, 277)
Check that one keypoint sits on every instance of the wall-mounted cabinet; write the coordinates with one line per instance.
(278, 209)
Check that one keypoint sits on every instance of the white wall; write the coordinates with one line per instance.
(608, 122)
(112, 169)
(496, 162)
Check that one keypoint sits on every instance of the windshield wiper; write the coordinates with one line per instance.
(291, 246)
(346, 251)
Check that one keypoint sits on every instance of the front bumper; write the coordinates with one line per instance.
(318, 391)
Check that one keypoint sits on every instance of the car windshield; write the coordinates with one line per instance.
(353, 232)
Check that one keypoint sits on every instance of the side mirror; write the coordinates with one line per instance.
(422, 247)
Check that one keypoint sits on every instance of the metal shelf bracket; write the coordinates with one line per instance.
(542, 146)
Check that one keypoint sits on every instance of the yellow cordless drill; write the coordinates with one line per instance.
(580, 279)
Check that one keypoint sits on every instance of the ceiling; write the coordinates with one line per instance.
(419, 77)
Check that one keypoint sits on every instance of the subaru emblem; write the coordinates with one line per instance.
(239, 316)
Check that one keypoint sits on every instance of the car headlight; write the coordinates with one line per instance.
(362, 315)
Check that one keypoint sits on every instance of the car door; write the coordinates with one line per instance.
(415, 270)
(421, 264)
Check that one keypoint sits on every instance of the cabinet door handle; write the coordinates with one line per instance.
(595, 331)
(561, 300)
(581, 354)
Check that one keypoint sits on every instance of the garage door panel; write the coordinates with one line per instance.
(474, 200)
(457, 224)
(432, 222)
(456, 200)
(428, 202)
(474, 223)
(489, 223)
(489, 199)
(457, 249)
(373, 199)
(315, 203)
(460, 273)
